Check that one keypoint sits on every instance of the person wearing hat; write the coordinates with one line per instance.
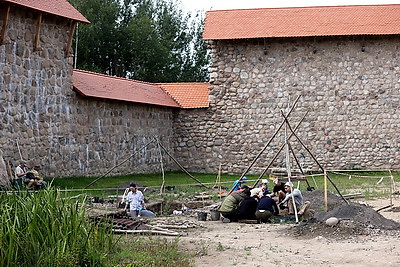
(292, 193)
(20, 174)
(264, 186)
(238, 183)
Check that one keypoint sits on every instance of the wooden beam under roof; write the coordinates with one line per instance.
(6, 15)
(70, 37)
(37, 33)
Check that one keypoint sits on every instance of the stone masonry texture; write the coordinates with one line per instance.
(350, 85)
(54, 127)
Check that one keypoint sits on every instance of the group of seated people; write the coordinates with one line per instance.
(260, 204)
(30, 178)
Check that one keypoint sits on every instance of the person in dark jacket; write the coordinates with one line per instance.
(230, 204)
(247, 207)
(266, 209)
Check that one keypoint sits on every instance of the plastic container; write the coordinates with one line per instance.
(202, 216)
(215, 215)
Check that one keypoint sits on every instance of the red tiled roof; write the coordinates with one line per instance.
(188, 95)
(109, 87)
(302, 21)
(56, 7)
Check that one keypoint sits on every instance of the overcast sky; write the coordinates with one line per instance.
(193, 5)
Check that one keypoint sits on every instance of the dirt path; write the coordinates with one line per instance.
(234, 244)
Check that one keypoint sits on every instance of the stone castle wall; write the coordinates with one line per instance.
(350, 84)
(65, 133)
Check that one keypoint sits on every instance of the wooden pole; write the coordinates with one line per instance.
(3, 33)
(37, 32)
(391, 188)
(277, 153)
(270, 140)
(298, 163)
(162, 167)
(131, 156)
(325, 191)
(313, 157)
(182, 168)
(70, 37)
(219, 181)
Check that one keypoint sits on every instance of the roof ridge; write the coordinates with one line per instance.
(173, 98)
(298, 7)
(115, 77)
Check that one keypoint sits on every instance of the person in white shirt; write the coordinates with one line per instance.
(20, 174)
(135, 200)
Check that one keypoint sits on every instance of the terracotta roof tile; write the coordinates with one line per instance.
(302, 21)
(188, 95)
(108, 87)
(60, 8)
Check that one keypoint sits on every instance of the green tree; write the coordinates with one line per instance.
(149, 40)
(96, 42)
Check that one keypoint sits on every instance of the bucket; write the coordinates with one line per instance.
(215, 215)
(202, 216)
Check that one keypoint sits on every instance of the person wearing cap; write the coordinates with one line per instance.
(292, 193)
(20, 174)
(264, 186)
(238, 183)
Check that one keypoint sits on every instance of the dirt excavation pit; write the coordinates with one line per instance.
(353, 219)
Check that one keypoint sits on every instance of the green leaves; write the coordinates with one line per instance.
(148, 40)
(40, 229)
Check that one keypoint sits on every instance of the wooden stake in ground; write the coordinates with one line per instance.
(391, 188)
(219, 181)
(325, 191)
(162, 167)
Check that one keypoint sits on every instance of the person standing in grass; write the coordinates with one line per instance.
(135, 200)
(20, 174)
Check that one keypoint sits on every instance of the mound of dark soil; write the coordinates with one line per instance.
(354, 219)
(316, 198)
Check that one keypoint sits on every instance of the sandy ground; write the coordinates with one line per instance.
(236, 244)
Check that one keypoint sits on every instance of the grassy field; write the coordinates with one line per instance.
(61, 243)
(368, 183)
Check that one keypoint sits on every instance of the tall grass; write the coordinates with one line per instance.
(41, 229)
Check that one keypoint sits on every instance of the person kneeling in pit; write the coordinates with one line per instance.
(135, 200)
(266, 208)
(230, 204)
(247, 207)
(301, 206)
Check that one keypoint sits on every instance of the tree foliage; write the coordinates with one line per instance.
(148, 40)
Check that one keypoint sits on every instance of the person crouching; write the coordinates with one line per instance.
(135, 199)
